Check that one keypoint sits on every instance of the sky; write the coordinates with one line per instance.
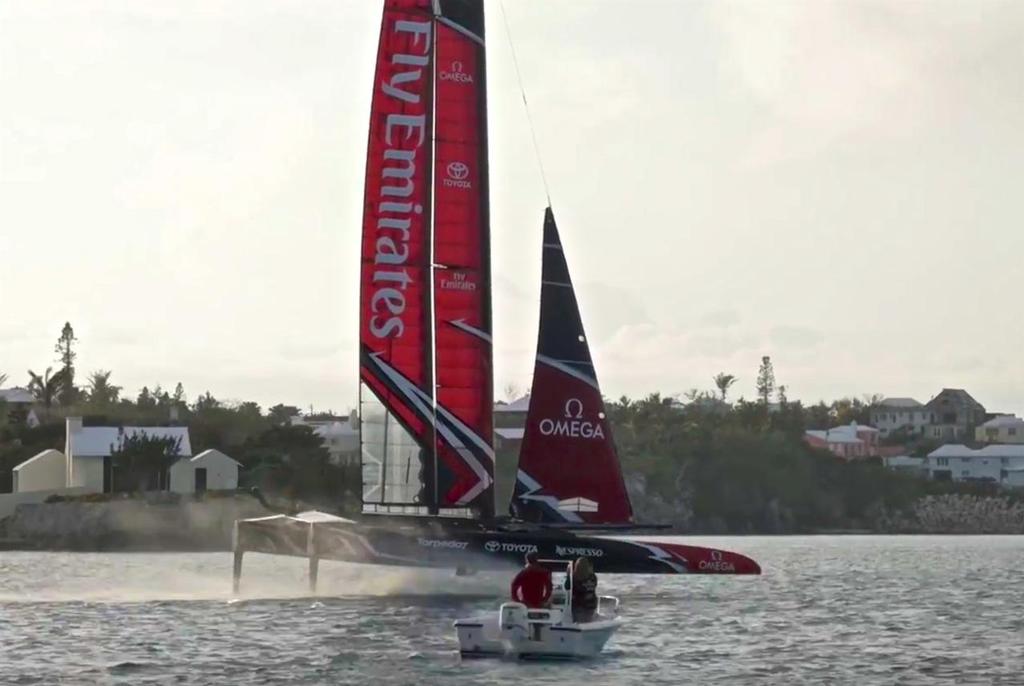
(833, 184)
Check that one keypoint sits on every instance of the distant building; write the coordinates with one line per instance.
(88, 450)
(1002, 464)
(849, 442)
(896, 414)
(42, 472)
(905, 463)
(1001, 429)
(210, 470)
(339, 434)
(953, 415)
(21, 398)
(510, 423)
(87, 466)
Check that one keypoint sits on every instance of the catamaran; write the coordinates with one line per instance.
(425, 370)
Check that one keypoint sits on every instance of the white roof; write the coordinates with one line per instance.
(318, 517)
(900, 402)
(958, 450)
(1003, 420)
(96, 441)
(842, 434)
(834, 436)
(341, 435)
(213, 453)
(511, 434)
(337, 429)
(17, 395)
(518, 405)
(38, 456)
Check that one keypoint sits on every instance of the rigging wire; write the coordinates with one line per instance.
(526, 105)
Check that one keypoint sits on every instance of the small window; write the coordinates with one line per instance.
(942, 461)
(1012, 431)
(1004, 461)
(965, 473)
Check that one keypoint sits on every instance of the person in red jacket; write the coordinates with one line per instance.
(532, 585)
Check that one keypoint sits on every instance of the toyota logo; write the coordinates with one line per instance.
(492, 546)
(457, 171)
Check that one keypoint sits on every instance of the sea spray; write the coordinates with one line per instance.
(148, 577)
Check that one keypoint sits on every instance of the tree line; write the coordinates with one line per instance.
(698, 461)
(284, 460)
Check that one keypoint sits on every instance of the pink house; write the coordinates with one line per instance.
(849, 442)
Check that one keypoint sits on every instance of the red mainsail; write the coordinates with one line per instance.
(568, 467)
(425, 367)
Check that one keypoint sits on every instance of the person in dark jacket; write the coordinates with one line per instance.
(584, 591)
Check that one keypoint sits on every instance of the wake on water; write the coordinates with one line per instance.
(154, 577)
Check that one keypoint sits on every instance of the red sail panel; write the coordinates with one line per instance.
(568, 467)
(462, 264)
(395, 321)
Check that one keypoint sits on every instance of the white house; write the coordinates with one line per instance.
(849, 441)
(905, 463)
(341, 439)
(1014, 478)
(893, 414)
(1005, 428)
(339, 434)
(23, 397)
(210, 470)
(88, 450)
(43, 472)
(992, 463)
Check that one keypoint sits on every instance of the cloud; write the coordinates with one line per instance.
(720, 318)
(795, 337)
(606, 308)
(298, 350)
(823, 71)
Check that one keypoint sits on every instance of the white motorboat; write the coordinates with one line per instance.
(521, 632)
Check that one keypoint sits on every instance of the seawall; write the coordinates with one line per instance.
(152, 521)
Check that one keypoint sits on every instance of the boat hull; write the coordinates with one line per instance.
(434, 544)
(511, 633)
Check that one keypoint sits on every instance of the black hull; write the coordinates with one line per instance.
(472, 547)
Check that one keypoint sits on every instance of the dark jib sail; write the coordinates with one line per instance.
(568, 468)
(424, 450)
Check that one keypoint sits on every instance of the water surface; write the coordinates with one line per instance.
(840, 610)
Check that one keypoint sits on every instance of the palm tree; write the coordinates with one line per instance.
(46, 388)
(101, 391)
(723, 381)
